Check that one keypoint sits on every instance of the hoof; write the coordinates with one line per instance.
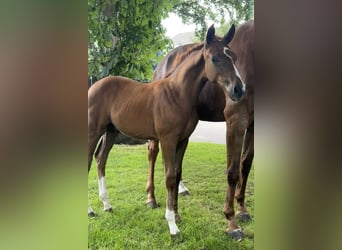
(152, 204)
(110, 210)
(245, 217)
(184, 193)
(236, 234)
(175, 236)
(91, 214)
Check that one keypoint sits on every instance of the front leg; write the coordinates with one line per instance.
(234, 138)
(246, 163)
(168, 146)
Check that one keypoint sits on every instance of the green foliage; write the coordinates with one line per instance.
(222, 11)
(133, 226)
(125, 36)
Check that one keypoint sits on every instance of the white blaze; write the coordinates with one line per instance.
(225, 51)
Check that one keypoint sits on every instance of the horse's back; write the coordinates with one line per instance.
(108, 93)
(122, 101)
(109, 83)
(112, 89)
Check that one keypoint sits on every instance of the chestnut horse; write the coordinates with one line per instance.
(163, 110)
(213, 105)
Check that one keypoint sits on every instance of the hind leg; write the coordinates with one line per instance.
(180, 151)
(153, 149)
(101, 155)
(182, 189)
(93, 138)
(246, 163)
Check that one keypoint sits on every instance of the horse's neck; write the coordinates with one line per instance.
(190, 76)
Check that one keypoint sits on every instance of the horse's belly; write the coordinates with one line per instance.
(134, 126)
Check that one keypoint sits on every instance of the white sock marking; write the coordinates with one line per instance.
(171, 220)
(103, 193)
(182, 188)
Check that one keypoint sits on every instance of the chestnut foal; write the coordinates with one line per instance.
(163, 110)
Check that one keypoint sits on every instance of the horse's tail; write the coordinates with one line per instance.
(97, 151)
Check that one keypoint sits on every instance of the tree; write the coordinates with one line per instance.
(125, 36)
(226, 12)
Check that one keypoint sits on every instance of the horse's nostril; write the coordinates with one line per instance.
(237, 91)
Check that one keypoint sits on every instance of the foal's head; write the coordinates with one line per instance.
(219, 64)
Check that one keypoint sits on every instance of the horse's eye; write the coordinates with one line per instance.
(214, 59)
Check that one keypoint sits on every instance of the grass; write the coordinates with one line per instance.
(133, 226)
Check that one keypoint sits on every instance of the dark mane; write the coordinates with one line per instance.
(189, 50)
(181, 57)
(185, 54)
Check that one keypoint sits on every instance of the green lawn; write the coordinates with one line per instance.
(134, 226)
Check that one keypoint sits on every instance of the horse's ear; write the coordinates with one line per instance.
(229, 36)
(210, 34)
